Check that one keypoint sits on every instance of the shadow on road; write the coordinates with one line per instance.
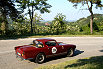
(101, 50)
(77, 52)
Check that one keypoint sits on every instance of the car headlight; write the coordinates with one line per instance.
(21, 54)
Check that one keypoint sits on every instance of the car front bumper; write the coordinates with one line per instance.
(17, 56)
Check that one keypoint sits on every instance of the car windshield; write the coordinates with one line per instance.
(37, 44)
(62, 43)
(50, 43)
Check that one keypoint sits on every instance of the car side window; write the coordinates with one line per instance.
(50, 43)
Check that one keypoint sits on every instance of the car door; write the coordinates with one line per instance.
(53, 48)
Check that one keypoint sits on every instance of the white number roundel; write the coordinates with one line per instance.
(54, 50)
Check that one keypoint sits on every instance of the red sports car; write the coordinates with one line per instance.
(43, 48)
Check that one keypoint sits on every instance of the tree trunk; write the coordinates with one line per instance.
(91, 24)
(91, 20)
(31, 26)
(32, 20)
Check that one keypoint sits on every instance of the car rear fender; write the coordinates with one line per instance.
(17, 47)
(38, 53)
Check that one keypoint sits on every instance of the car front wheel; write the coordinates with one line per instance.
(40, 58)
(70, 52)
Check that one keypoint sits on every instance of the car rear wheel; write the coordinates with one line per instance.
(40, 58)
(70, 52)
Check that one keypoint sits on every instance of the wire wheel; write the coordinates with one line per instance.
(70, 52)
(40, 58)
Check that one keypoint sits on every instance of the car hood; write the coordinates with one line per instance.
(63, 44)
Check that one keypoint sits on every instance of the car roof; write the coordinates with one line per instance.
(45, 39)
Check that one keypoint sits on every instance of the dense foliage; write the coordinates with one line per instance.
(55, 27)
(13, 22)
(8, 10)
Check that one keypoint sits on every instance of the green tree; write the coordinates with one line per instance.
(8, 10)
(58, 23)
(90, 8)
(37, 18)
(33, 5)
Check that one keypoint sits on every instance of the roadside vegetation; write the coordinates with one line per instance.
(58, 27)
(15, 24)
(86, 63)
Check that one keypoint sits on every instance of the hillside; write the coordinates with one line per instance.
(84, 23)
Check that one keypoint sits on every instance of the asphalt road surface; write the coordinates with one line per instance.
(86, 47)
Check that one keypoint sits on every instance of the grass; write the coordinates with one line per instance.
(44, 36)
(66, 36)
(86, 63)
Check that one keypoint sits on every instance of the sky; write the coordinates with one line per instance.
(66, 8)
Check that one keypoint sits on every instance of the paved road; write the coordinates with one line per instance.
(86, 47)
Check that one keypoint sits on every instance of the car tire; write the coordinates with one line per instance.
(40, 58)
(70, 52)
